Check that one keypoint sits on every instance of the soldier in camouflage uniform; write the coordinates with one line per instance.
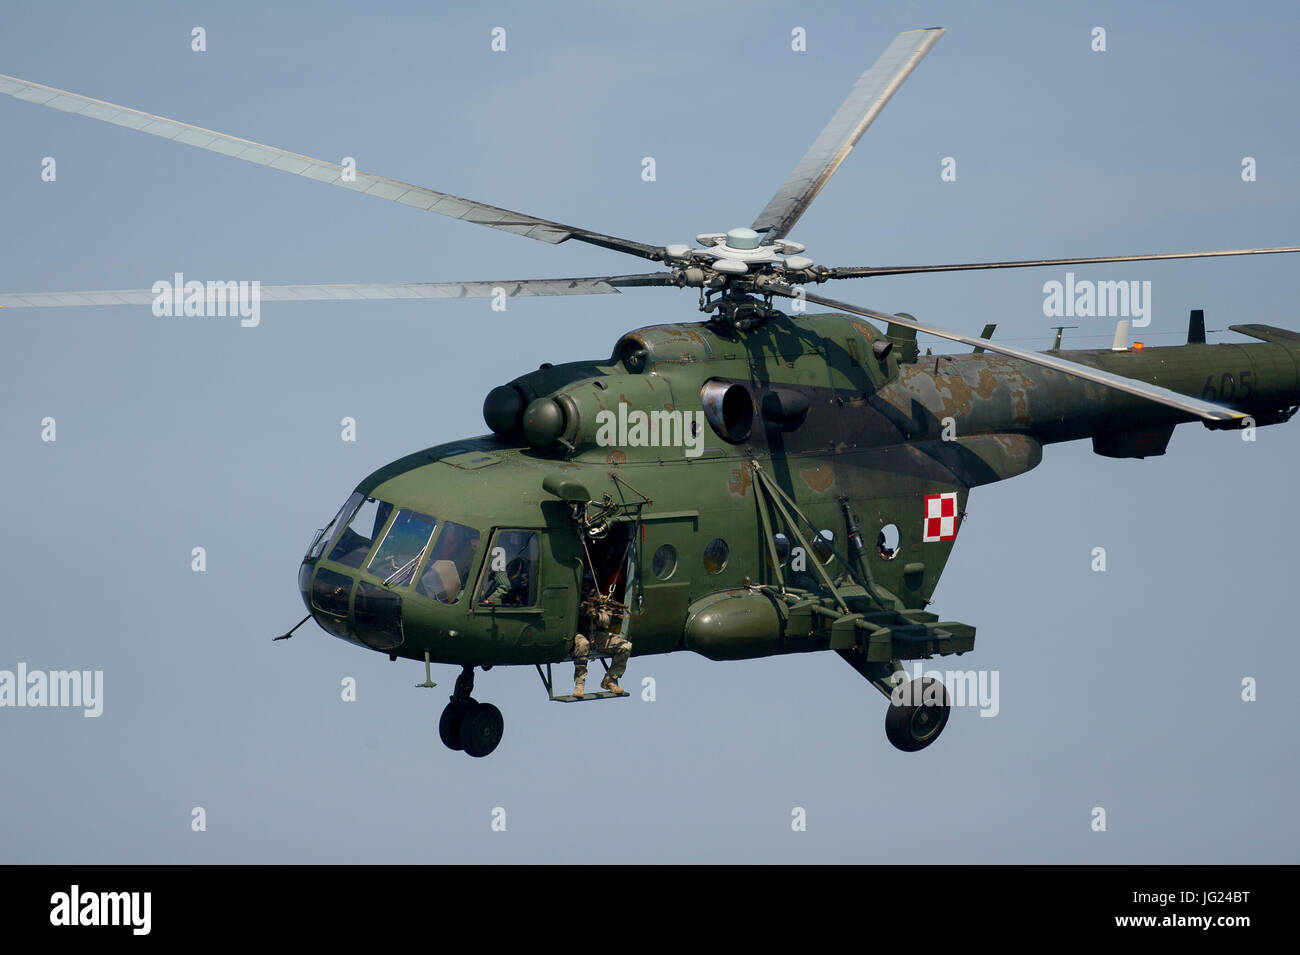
(595, 616)
(509, 586)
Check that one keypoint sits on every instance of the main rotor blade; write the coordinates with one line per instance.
(1194, 406)
(867, 271)
(326, 172)
(832, 146)
(602, 285)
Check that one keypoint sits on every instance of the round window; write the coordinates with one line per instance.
(887, 542)
(715, 556)
(824, 545)
(665, 561)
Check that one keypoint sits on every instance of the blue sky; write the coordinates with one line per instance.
(1118, 689)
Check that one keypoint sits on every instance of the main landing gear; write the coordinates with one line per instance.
(467, 724)
(918, 712)
(918, 709)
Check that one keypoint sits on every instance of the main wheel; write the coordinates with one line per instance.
(480, 730)
(453, 714)
(918, 712)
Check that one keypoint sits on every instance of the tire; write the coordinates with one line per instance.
(481, 729)
(918, 712)
(449, 725)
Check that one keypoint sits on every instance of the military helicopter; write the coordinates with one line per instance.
(753, 484)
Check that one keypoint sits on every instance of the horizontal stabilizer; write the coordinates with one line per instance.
(1138, 443)
(1267, 333)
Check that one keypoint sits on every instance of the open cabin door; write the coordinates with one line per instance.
(640, 560)
(610, 565)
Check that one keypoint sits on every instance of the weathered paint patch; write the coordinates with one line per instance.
(818, 479)
(740, 481)
(988, 383)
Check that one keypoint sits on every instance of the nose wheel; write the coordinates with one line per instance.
(468, 725)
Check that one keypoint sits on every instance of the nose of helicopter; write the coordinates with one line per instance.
(304, 582)
(351, 608)
(326, 594)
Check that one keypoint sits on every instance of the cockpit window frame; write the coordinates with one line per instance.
(432, 549)
(378, 534)
(416, 562)
(482, 577)
(324, 539)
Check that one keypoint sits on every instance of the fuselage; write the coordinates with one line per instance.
(839, 430)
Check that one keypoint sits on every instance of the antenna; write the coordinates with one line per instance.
(1056, 343)
(1121, 336)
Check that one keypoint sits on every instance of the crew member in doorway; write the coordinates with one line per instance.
(595, 616)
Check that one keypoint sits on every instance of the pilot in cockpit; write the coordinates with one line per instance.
(509, 587)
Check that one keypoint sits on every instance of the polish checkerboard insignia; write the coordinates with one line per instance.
(940, 517)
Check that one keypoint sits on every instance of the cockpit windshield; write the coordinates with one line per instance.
(354, 543)
(450, 563)
(395, 543)
(396, 558)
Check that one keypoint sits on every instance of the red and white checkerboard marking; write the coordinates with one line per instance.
(940, 517)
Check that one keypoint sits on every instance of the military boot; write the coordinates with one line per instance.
(579, 688)
(611, 684)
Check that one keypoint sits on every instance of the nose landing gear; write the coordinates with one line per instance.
(467, 724)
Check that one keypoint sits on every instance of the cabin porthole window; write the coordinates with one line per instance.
(887, 542)
(715, 555)
(664, 564)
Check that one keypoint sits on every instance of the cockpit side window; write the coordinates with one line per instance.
(326, 533)
(403, 546)
(509, 577)
(450, 562)
(354, 543)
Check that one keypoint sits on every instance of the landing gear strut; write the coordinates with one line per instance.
(918, 709)
(467, 724)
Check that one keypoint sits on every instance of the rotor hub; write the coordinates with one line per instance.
(739, 252)
(736, 263)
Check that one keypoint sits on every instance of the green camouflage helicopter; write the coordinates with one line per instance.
(755, 484)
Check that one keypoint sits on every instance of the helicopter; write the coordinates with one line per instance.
(754, 484)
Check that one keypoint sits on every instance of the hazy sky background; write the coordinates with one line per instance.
(1118, 689)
